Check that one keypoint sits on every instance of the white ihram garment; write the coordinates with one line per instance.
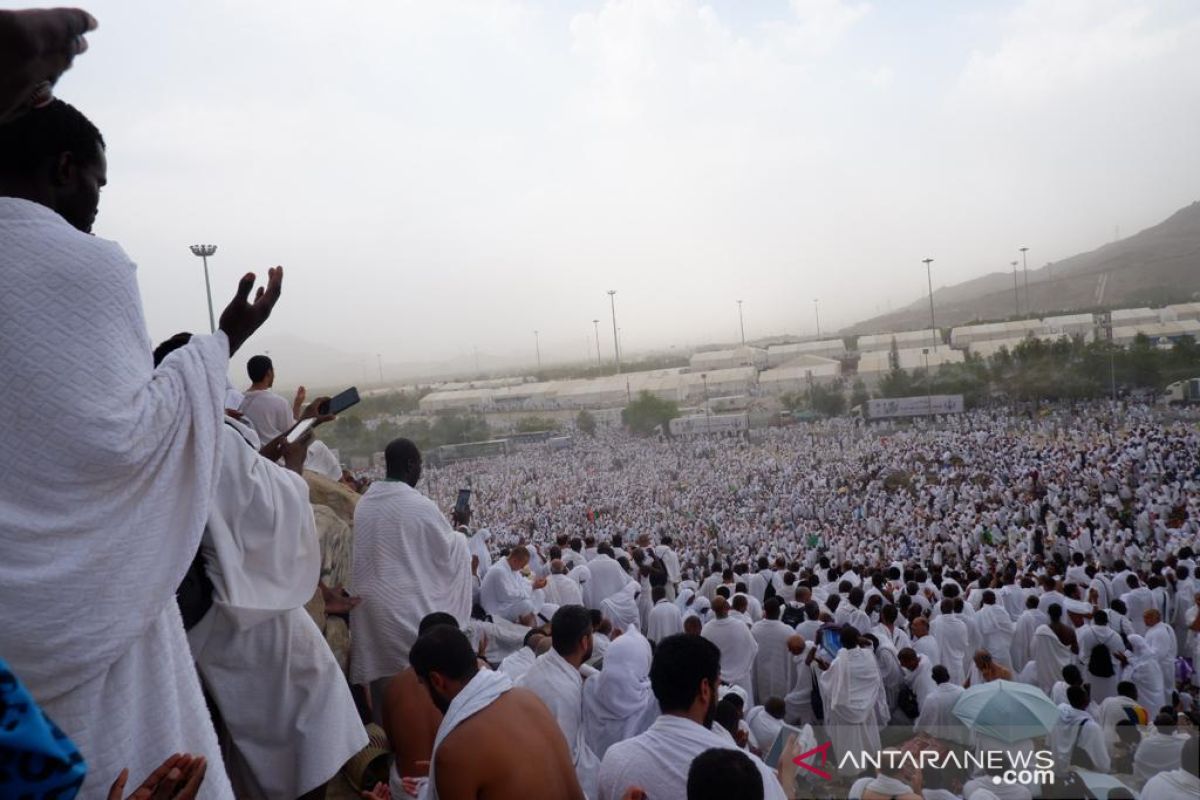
(850, 689)
(606, 579)
(279, 689)
(996, 630)
(1022, 641)
(560, 686)
(773, 662)
(738, 649)
(665, 620)
(407, 563)
(954, 640)
(1049, 657)
(561, 590)
(478, 694)
(507, 594)
(109, 469)
(658, 760)
(618, 703)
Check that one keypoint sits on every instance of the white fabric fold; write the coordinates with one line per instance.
(479, 693)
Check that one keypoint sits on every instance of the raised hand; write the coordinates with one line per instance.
(241, 318)
(177, 778)
(36, 48)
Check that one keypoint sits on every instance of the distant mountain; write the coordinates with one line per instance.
(1157, 266)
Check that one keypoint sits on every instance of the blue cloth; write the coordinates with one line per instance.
(37, 760)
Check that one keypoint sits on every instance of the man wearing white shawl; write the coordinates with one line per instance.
(407, 563)
(556, 679)
(1144, 673)
(618, 703)
(684, 677)
(606, 578)
(506, 593)
(995, 629)
(493, 737)
(1049, 657)
(1091, 636)
(1178, 783)
(116, 491)
(621, 609)
(738, 647)
(560, 589)
(773, 671)
(953, 640)
(257, 647)
(936, 710)
(1076, 731)
(665, 617)
(1160, 638)
(1022, 642)
(850, 689)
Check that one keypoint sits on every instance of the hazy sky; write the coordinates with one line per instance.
(439, 175)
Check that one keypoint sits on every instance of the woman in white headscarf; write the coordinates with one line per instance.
(618, 703)
(1144, 672)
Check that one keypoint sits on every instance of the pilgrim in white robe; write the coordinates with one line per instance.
(665, 620)
(560, 686)
(1144, 673)
(928, 646)
(1192, 643)
(1075, 730)
(515, 665)
(764, 728)
(479, 693)
(738, 649)
(936, 717)
(109, 470)
(1171, 785)
(953, 639)
(920, 680)
(1022, 641)
(850, 690)
(621, 609)
(1158, 752)
(507, 594)
(1090, 636)
(773, 662)
(1161, 641)
(996, 630)
(281, 694)
(798, 702)
(1049, 657)
(562, 591)
(618, 703)
(606, 579)
(657, 761)
(407, 563)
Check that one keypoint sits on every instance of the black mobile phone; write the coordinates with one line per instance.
(463, 504)
(339, 403)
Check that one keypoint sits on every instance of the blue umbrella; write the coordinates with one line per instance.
(1006, 711)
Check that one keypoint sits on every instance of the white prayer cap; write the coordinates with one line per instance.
(1078, 607)
(724, 690)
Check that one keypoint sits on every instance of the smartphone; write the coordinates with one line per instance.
(781, 741)
(463, 504)
(300, 428)
(340, 402)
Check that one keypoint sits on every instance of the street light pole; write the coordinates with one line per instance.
(932, 322)
(928, 384)
(1016, 301)
(817, 311)
(741, 323)
(596, 327)
(704, 377)
(204, 251)
(1025, 271)
(379, 358)
(537, 344)
(612, 293)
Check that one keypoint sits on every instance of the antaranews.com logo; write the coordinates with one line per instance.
(1025, 768)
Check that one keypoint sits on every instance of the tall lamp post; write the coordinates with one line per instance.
(537, 345)
(379, 360)
(704, 377)
(596, 328)
(204, 251)
(1025, 272)
(612, 294)
(1016, 301)
(817, 312)
(932, 322)
(741, 323)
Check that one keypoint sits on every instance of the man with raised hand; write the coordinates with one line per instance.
(108, 481)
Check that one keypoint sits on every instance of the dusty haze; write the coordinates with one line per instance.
(443, 176)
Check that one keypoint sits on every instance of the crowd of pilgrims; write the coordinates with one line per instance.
(627, 619)
(1054, 549)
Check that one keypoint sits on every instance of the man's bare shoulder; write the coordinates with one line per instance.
(517, 706)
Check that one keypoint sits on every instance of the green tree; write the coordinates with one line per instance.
(827, 400)
(585, 421)
(535, 424)
(458, 429)
(647, 412)
(858, 393)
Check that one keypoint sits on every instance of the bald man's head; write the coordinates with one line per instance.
(720, 607)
